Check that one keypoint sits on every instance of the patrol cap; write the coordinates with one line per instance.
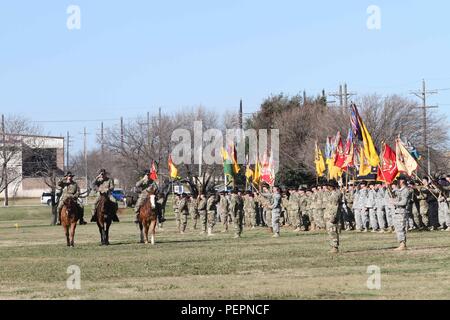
(102, 171)
(69, 174)
(402, 178)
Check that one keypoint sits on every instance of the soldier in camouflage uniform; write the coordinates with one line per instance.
(223, 210)
(250, 210)
(302, 209)
(211, 210)
(267, 212)
(363, 212)
(321, 205)
(284, 215)
(416, 207)
(294, 210)
(236, 207)
(147, 186)
(331, 216)
(389, 207)
(423, 196)
(70, 189)
(104, 185)
(400, 201)
(193, 211)
(380, 207)
(371, 207)
(348, 212)
(202, 202)
(183, 212)
(275, 205)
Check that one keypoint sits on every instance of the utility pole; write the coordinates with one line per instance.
(148, 129)
(67, 151)
(86, 161)
(343, 95)
(4, 162)
(423, 96)
(304, 98)
(241, 126)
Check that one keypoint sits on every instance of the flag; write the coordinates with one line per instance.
(406, 162)
(234, 159)
(257, 172)
(173, 171)
(227, 166)
(361, 132)
(412, 150)
(339, 153)
(320, 162)
(153, 174)
(388, 171)
(248, 170)
(267, 171)
(364, 167)
(349, 152)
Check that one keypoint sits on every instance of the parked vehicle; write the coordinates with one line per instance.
(119, 195)
(46, 198)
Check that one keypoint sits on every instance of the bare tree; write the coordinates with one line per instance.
(13, 131)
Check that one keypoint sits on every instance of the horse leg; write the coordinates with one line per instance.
(100, 229)
(66, 227)
(72, 233)
(108, 223)
(152, 229)
(146, 225)
(141, 231)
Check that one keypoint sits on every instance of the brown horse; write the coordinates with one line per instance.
(147, 220)
(103, 213)
(69, 218)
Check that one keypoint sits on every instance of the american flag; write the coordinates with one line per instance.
(355, 121)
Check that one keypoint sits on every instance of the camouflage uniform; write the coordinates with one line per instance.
(331, 216)
(69, 190)
(389, 208)
(264, 199)
(416, 210)
(321, 202)
(202, 212)
(211, 211)
(193, 211)
(380, 208)
(294, 210)
(147, 186)
(276, 211)
(444, 214)
(183, 212)
(348, 212)
(284, 215)
(104, 185)
(237, 212)
(423, 196)
(371, 208)
(251, 211)
(400, 202)
(364, 213)
(223, 210)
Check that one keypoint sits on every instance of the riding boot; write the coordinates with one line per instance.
(115, 218)
(161, 219)
(136, 219)
(82, 222)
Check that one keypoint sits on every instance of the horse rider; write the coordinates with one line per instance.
(148, 186)
(104, 185)
(70, 189)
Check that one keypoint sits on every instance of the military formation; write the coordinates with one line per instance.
(359, 206)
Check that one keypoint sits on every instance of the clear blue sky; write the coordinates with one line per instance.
(130, 57)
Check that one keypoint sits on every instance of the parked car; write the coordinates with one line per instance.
(46, 198)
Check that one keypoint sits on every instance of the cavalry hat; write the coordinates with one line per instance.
(69, 174)
(102, 171)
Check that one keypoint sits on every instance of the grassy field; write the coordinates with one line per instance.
(34, 261)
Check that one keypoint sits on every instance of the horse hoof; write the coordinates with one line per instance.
(146, 242)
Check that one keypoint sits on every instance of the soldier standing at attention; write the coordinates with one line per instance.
(251, 205)
(104, 185)
(348, 212)
(276, 211)
(331, 216)
(423, 195)
(236, 210)
(380, 210)
(183, 212)
(193, 211)
(294, 209)
(400, 201)
(223, 211)
(364, 214)
(70, 189)
(211, 210)
(202, 212)
(371, 207)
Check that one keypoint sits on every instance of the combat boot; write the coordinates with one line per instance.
(402, 247)
(276, 235)
(210, 232)
(236, 236)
